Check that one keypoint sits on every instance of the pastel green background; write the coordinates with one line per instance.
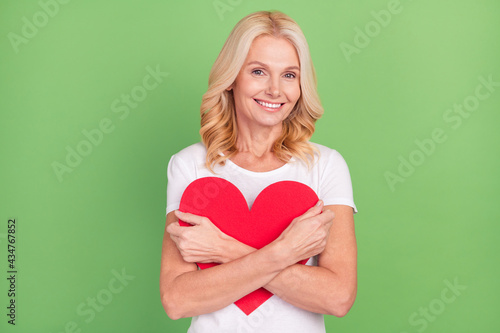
(108, 214)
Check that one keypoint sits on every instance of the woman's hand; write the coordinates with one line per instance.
(307, 235)
(204, 242)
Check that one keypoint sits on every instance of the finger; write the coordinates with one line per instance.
(174, 229)
(171, 225)
(329, 213)
(327, 216)
(175, 239)
(313, 211)
(188, 217)
(320, 204)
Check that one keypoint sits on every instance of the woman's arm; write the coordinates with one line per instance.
(186, 291)
(329, 288)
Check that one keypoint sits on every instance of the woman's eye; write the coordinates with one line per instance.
(290, 75)
(257, 72)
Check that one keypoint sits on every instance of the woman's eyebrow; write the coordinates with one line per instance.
(265, 66)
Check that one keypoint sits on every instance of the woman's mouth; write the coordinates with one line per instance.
(269, 106)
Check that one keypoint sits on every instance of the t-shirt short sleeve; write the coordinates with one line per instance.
(179, 176)
(336, 186)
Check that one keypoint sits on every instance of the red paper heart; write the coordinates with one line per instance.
(272, 211)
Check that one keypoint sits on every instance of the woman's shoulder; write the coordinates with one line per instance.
(327, 158)
(325, 152)
(194, 152)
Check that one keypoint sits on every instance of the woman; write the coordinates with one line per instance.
(256, 119)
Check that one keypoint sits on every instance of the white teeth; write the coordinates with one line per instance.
(268, 105)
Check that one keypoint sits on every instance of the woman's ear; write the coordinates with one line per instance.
(230, 87)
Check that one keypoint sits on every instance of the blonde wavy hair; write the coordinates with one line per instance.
(218, 118)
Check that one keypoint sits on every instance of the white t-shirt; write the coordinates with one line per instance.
(329, 177)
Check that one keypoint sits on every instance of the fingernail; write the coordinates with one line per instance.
(318, 203)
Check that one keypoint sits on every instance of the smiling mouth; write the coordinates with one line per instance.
(274, 106)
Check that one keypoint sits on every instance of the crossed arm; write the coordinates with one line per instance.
(328, 288)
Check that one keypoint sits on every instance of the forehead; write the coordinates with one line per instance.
(273, 51)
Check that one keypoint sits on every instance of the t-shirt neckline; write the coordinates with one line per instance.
(259, 173)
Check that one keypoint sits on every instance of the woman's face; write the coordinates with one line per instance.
(268, 84)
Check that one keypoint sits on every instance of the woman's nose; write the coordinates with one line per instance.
(273, 88)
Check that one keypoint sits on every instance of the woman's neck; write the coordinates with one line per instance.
(255, 149)
(257, 141)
